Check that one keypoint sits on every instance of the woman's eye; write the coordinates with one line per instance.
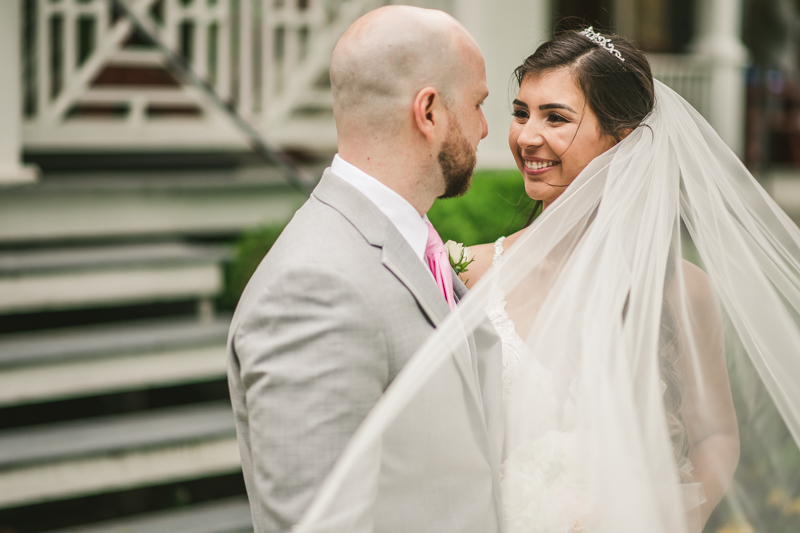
(520, 114)
(556, 118)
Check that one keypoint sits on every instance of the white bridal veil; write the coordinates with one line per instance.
(657, 307)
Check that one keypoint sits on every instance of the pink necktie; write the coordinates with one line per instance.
(439, 263)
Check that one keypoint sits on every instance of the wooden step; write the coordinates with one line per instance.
(231, 515)
(81, 361)
(52, 279)
(77, 458)
(148, 203)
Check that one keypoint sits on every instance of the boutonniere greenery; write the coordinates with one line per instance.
(459, 256)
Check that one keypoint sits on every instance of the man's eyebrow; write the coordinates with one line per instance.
(519, 103)
(545, 107)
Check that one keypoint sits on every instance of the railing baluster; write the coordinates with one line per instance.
(223, 84)
(43, 58)
(70, 23)
(267, 44)
(171, 24)
(202, 21)
(43, 39)
(245, 59)
(290, 41)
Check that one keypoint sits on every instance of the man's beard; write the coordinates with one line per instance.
(457, 160)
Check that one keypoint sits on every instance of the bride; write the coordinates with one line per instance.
(649, 320)
(575, 101)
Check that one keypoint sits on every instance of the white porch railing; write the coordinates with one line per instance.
(688, 75)
(90, 82)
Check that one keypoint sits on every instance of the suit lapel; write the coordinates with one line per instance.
(458, 287)
(401, 261)
(399, 258)
(397, 255)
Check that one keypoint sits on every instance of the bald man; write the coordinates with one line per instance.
(346, 296)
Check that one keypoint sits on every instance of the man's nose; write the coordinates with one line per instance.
(484, 126)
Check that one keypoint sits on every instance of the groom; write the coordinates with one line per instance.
(354, 285)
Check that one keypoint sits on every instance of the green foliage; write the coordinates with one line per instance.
(495, 205)
(765, 493)
(251, 247)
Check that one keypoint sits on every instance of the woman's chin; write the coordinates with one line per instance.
(536, 192)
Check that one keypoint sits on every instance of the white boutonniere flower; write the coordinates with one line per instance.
(459, 255)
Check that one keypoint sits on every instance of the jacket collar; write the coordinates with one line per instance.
(378, 231)
(399, 259)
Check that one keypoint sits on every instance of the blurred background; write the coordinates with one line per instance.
(152, 150)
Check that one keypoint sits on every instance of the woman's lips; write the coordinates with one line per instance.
(535, 168)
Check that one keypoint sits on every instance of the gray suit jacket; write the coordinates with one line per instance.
(331, 315)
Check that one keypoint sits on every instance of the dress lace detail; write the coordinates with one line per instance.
(542, 492)
(512, 343)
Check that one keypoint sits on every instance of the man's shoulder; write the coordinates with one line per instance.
(319, 242)
(318, 231)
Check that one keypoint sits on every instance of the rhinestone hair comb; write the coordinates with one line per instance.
(602, 42)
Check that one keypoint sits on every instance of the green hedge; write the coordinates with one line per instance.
(495, 205)
(248, 251)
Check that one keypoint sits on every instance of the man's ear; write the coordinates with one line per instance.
(426, 113)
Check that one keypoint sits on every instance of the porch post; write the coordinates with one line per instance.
(718, 38)
(507, 31)
(12, 170)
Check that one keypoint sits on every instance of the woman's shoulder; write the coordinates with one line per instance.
(482, 255)
(697, 281)
(700, 294)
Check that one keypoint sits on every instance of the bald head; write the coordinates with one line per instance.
(387, 56)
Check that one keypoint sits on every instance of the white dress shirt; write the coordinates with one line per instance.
(397, 209)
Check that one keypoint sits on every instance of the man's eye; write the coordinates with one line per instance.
(555, 117)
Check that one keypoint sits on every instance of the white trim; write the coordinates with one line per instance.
(115, 472)
(12, 171)
(65, 290)
(110, 374)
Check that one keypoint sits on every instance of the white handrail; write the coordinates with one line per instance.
(268, 59)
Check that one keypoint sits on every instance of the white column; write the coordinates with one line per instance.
(507, 31)
(718, 38)
(11, 169)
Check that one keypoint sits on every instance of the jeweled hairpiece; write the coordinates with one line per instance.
(602, 42)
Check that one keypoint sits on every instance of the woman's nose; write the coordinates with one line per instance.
(530, 135)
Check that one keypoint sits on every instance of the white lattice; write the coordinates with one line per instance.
(267, 58)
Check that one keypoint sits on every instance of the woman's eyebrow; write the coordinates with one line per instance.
(519, 103)
(545, 107)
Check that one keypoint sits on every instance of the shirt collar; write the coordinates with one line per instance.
(397, 209)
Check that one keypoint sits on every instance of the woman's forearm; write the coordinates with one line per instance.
(715, 460)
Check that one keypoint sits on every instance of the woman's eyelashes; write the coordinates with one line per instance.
(552, 118)
(555, 118)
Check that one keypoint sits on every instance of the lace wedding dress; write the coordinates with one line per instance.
(543, 491)
(542, 477)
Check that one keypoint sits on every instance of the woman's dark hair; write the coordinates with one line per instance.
(620, 93)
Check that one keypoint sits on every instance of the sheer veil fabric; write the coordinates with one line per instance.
(663, 278)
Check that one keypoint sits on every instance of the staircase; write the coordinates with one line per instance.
(114, 415)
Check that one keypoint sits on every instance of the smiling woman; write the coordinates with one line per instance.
(575, 101)
(550, 140)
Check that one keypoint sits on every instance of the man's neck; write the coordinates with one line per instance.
(397, 173)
